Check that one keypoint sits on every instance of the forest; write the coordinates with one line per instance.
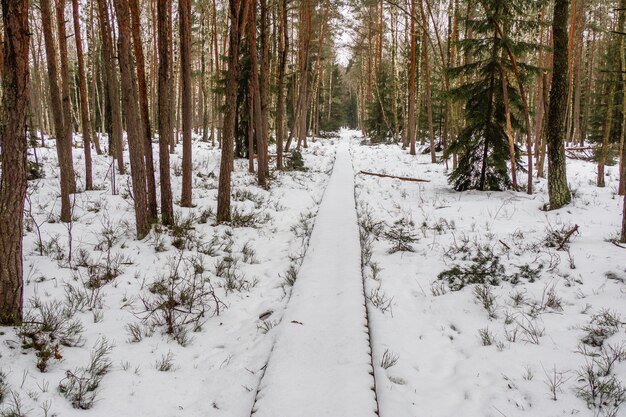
(313, 208)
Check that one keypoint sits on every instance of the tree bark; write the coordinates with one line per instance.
(57, 110)
(15, 108)
(238, 12)
(84, 106)
(67, 161)
(281, 103)
(184, 12)
(145, 111)
(558, 189)
(164, 27)
(264, 93)
(132, 111)
(112, 86)
(412, 80)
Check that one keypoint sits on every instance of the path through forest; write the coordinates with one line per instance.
(321, 364)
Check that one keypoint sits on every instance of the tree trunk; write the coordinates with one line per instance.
(255, 93)
(558, 189)
(84, 107)
(509, 127)
(112, 86)
(15, 108)
(145, 112)
(184, 24)
(57, 110)
(164, 27)
(606, 132)
(136, 138)
(67, 161)
(281, 103)
(412, 80)
(429, 109)
(264, 93)
(238, 12)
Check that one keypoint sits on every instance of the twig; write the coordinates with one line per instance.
(393, 176)
(567, 236)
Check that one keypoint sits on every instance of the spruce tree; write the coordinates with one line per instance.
(482, 145)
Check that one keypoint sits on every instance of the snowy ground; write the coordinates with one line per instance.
(444, 353)
(547, 340)
(246, 267)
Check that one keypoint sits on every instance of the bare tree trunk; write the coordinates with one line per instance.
(429, 109)
(255, 93)
(264, 92)
(509, 127)
(65, 96)
(136, 138)
(558, 188)
(15, 108)
(112, 85)
(84, 106)
(184, 12)
(164, 27)
(281, 103)
(57, 110)
(238, 12)
(145, 111)
(606, 131)
(412, 80)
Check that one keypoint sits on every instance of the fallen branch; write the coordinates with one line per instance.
(567, 236)
(393, 176)
(616, 243)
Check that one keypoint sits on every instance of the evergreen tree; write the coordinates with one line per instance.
(378, 125)
(483, 144)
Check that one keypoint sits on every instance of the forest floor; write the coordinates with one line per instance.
(471, 307)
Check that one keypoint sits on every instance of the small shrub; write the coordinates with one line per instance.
(295, 162)
(486, 337)
(486, 298)
(401, 237)
(485, 268)
(602, 326)
(4, 387)
(166, 363)
(380, 300)
(290, 276)
(248, 254)
(389, 359)
(46, 327)
(14, 407)
(180, 299)
(80, 386)
(605, 394)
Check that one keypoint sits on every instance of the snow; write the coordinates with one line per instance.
(442, 367)
(321, 364)
(305, 350)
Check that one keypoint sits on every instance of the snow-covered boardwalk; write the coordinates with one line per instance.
(321, 365)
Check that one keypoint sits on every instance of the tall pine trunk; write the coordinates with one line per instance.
(184, 12)
(15, 108)
(136, 138)
(238, 12)
(164, 27)
(112, 86)
(57, 109)
(558, 189)
(84, 106)
(145, 112)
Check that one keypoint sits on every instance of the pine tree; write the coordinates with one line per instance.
(15, 107)
(378, 126)
(482, 145)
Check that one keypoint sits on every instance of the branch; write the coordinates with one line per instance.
(393, 176)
